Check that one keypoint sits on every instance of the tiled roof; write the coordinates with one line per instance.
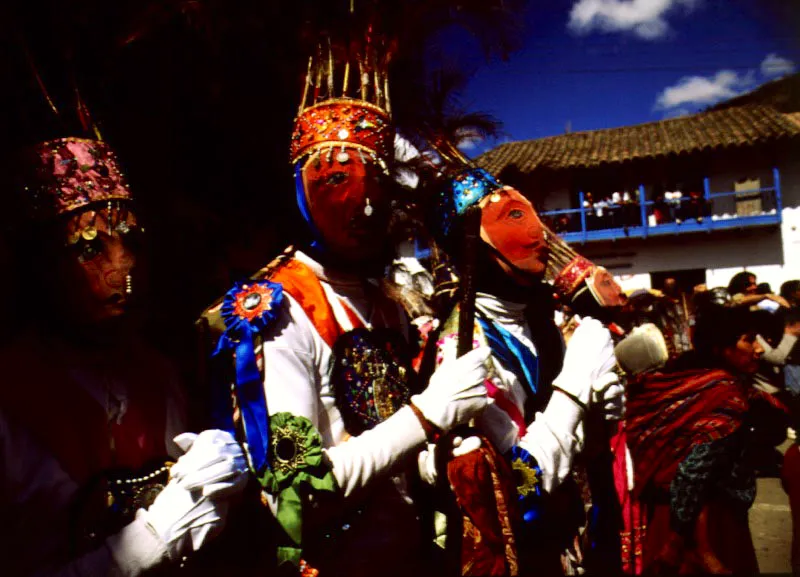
(782, 94)
(731, 127)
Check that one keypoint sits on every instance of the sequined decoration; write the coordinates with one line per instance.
(573, 274)
(462, 191)
(370, 377)
(71, 173)
(343, 122)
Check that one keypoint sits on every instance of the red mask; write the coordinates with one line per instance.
(99, 263)
(348, 201)
(510, 224)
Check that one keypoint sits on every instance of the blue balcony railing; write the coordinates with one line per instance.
(710, 212)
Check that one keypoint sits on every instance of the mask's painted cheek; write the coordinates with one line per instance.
(347, 200)
(510, 224)
(102, 253)
(606, 289)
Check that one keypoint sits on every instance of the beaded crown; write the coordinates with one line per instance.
(67, 174)
(345, 103)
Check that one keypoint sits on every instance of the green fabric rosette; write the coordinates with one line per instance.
(296, 468)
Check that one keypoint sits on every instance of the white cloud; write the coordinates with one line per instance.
(699, 90)
(774, 66)
(644, 18)
(469, 144)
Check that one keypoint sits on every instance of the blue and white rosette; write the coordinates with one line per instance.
(247, 310)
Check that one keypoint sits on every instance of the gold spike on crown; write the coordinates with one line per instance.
(345, 104)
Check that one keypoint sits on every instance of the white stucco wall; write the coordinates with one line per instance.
(771, 253)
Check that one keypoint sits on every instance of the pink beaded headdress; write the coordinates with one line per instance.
(71, 173)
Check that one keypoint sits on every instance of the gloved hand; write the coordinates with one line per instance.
(426, 460)
(193, 507)
(456, 392)
(501, 430)
(608, 395)
(589, 356)
(214, 462)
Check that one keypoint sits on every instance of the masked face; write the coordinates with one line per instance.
(510, 224)
(99, 259)
(605, 289)
(349, 202)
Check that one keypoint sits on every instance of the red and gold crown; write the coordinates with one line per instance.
(343, 122)
(345, 104)
(70, 173)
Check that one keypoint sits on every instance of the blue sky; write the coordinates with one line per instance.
(588, 64)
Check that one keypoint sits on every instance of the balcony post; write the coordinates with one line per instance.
(643, 209)
(709, 203)
(776, 176)
(583, 215)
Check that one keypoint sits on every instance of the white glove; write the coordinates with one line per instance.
(214, 462)
(501, 430)
(608, 394)
(456, 392)
(589, 356)
(426, 460)
(193, 507)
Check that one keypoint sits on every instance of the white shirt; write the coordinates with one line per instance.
(554, 436)
(297, 368)
(298, 361)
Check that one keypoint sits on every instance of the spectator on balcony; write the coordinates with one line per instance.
(601, 212)
(674, 202)
(694, 207)
(630, 210)
(661, 210)
(615, 210)
(744, 292)
(588, 207)
(563, 223)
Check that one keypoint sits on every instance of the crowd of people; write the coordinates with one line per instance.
(622, 210)
(742, 333)
(359, 424)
